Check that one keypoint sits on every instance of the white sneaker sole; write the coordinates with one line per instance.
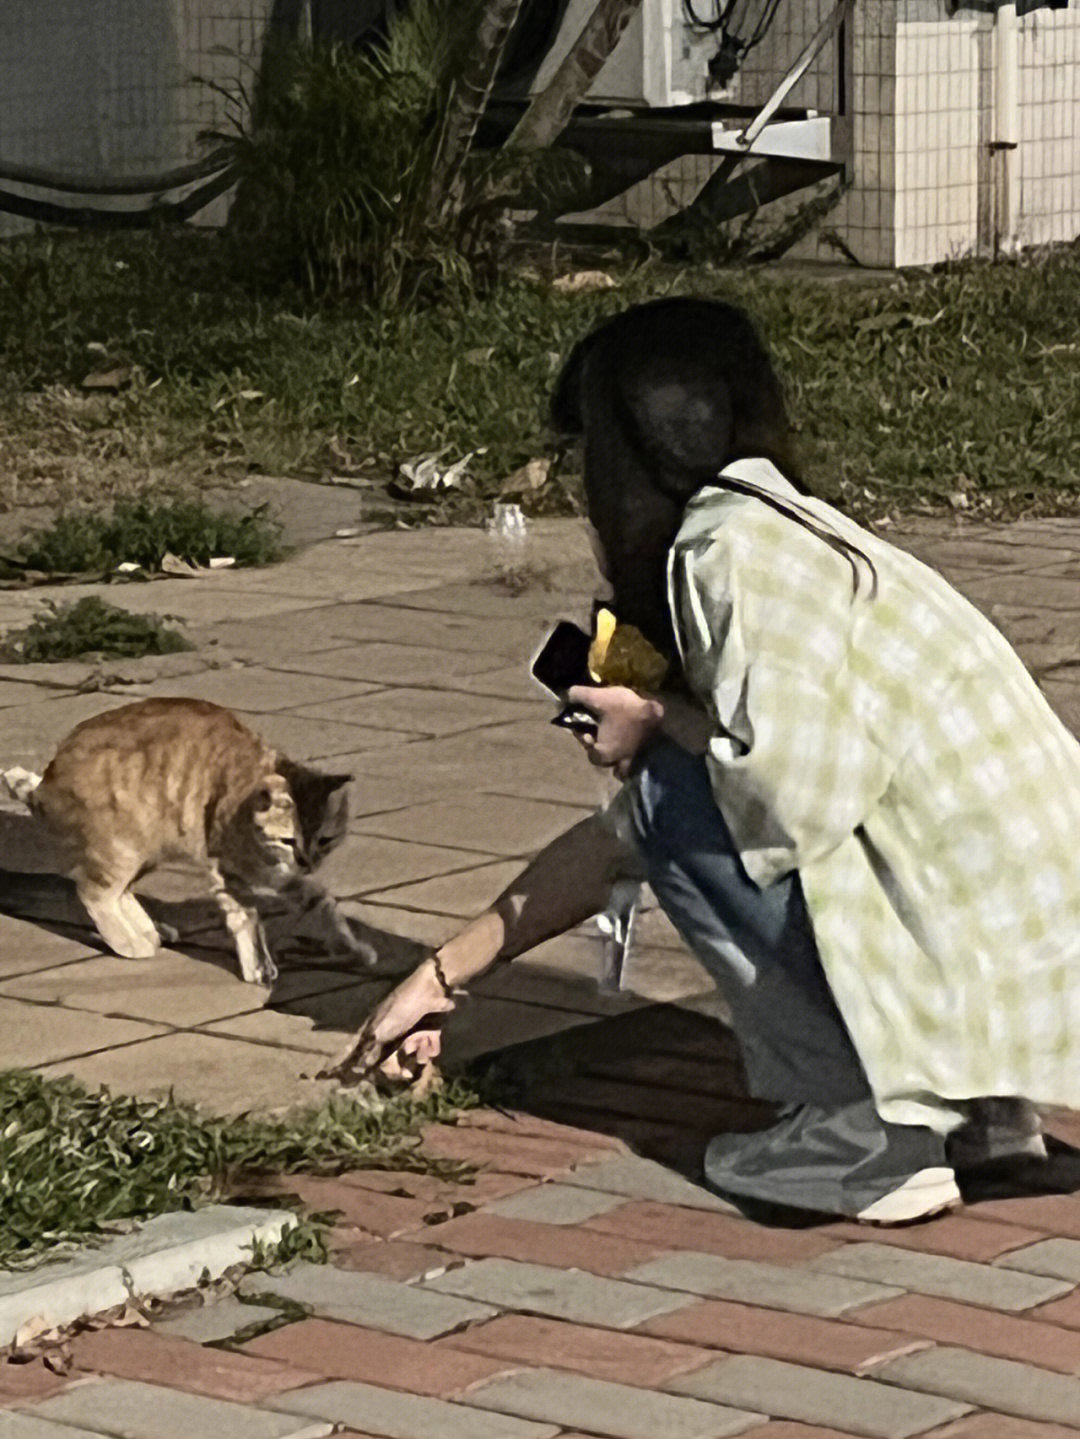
(931, 1191)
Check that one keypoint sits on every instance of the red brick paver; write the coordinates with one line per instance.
(986, 1426)
(600, 1353)
(393, 1259)
(959, 1236)
(346, 1351)
(535, 1155)
(1004, 1335)
(671, 1226)
(797, 1338)
(161, 1359)
(566, 1246)
(1056, 1214)
(20, 1383)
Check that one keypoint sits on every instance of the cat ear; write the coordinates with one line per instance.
(336, 781)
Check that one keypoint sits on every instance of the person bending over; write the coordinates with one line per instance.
(850, 798)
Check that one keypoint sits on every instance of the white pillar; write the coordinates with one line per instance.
(1006, 138)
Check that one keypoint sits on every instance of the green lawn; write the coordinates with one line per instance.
(964, 381)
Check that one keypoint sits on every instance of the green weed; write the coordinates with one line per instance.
(89, 626)
(73, 1162)
(143, 532)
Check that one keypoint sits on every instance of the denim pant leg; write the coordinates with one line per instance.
(757, 944)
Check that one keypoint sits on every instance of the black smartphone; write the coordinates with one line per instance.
(563, 661)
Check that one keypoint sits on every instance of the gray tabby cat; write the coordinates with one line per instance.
(168, 778)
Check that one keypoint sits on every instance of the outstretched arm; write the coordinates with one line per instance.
(569, 880)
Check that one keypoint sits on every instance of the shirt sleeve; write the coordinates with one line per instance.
(793, 770)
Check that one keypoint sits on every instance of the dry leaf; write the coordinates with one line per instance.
(581, 281)
(531, 477)
(116, 379)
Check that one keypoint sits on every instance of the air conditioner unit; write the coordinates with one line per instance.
(661, 60)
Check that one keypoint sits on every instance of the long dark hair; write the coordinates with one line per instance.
(665, 395)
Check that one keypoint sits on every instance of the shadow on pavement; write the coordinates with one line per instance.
(665, 1079)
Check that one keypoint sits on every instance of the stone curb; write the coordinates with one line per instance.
(166, 1254)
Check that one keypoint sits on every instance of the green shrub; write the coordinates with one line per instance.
(89, 626)
(335, 154)
(143, 532)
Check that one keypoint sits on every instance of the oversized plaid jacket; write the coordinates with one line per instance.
(890, 746)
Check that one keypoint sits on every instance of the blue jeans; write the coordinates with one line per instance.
(757, 944)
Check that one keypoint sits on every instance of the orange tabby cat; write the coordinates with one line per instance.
(168, 778)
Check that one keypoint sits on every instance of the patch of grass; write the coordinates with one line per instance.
(143, 532)
(73, 1163)
(908, 391)
(89, 626)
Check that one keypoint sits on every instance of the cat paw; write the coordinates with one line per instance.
(168, 934)
(360, 948)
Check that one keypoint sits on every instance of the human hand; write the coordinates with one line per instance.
(395, 1038)
(624, 721)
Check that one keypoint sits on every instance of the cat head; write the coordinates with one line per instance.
(322, 811)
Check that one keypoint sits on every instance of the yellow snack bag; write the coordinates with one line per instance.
(621, 655)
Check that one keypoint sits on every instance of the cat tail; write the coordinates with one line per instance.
(20, 783)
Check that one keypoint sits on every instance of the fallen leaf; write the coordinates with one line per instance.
(531, 477)
(581, 281)
(116, 379)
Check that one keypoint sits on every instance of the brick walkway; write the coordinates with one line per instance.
(582, 1285)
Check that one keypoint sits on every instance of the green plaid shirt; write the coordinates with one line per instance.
(893, 749)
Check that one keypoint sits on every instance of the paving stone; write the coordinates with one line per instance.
(999, 1384)
(26, 948)
(257, 690)
(438, 1194)
(368, 1299)
(987, 1332)
(27, 1426)
(618, 1410)
(151, 1411)
(1065, 1311)
(676, 1227)
(168, 990)
(955, 1235)
(346, 1351)
(638, 1178)
(799, 1338)
(558, 1293)
(224, 1075)
(983, 1284)
(37, 1034)
(600, 1353)
(803, 1291)
(812, 1396)
(397, 664)
(462, 894)
(156, 1358)
(510, 1152)
(1051, 1213)
(394, 1415)
(562, 1246)
(556, 1204)
(398, 1259)
(221, 1319)
(478, 821)
(20, 1383)
(419, 711)
(1059, 1258)
(985, 1426)
(365, 1210)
